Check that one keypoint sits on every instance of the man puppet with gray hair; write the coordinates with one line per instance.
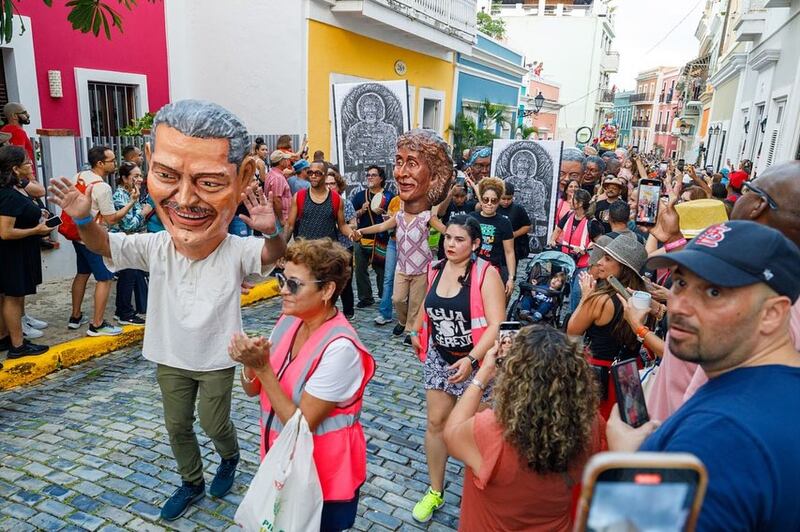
(199, 172)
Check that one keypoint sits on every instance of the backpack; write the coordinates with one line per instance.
(68, 228)
(336, 201)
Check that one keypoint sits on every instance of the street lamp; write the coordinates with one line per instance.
(538, 102)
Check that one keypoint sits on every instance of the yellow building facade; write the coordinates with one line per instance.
(336, 55)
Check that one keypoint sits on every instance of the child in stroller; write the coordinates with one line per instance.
(542, 293)
(537, 303)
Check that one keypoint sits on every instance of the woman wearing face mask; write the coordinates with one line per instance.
(312, 333)
(130, 281)
(498, 234)
(459, 321)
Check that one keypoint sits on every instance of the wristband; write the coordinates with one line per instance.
(276, 234)
(479, 384)
(641, 332)
(473, 361)
(676, 244)
(83, 221)
(413, 333)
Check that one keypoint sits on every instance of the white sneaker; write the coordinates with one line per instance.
(33, 322)
(380, 320)
(29, 332)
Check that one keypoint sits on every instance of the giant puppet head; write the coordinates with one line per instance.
(423, 169)
(608, 137)
(198, 171)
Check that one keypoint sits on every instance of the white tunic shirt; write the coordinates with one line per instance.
(193, 306)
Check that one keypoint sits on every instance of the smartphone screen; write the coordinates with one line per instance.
(647, 204)
(508, 330)
(630, 396)
(55, 221)
(643, 499)
(460, 180)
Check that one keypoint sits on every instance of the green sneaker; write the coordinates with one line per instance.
(424, 509)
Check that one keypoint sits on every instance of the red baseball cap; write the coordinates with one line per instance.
(735, 179)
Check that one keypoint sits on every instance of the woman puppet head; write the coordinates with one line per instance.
(423, 169)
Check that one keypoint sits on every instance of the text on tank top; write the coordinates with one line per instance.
(450, 319)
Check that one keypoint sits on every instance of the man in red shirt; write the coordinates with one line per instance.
(735, 179)
(17, 116)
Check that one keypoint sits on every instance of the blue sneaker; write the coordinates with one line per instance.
(180, 501)
(223, 480)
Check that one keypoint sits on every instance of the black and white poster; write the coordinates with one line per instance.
(532, 167)
(368, 118)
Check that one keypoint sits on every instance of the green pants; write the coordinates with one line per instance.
(211, 390)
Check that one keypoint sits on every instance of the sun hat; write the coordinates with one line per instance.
(695, 216)
(627, 251)
(613, 180)
(595, 253)
(279, 155)
(301, 165)
(719, 256)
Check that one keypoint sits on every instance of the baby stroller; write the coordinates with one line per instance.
(541, 269)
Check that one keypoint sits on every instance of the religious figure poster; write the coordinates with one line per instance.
(368, 118)
(532, 167)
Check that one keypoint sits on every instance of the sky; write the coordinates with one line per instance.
(640, 24)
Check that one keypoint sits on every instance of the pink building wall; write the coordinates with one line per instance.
(545, 119)
(141, 49)
(665, 112)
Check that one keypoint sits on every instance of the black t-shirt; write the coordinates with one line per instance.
(595, 227)
(639, 236)
(16, 205)
(589, 187)
(494, 230)
(370, 217)
(518, 217)
(455, 210)
(601, 213)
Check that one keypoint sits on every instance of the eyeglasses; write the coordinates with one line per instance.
(330, 184)
(316, 172)
(293, 284)
(111, 161)
(760, 193)
(490, 201)
(373, 175)
(481, 166)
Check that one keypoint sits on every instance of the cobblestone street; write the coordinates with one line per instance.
(85, 449)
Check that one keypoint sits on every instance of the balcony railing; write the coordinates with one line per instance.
(606, 96)
(639, 97)
(455, 18)
(641, 122)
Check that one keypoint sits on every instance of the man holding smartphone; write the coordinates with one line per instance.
(730, 314)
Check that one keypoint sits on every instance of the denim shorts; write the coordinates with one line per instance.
(91, 263)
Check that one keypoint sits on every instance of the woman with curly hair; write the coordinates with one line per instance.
(498, 234)
(524, 456)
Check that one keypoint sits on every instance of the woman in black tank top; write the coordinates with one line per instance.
(452, 354)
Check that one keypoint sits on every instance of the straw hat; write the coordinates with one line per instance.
(697, 215)
(627, 251)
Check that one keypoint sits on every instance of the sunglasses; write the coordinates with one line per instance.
(293, 284)
(760, 193)
(491, 201)
(316, 173)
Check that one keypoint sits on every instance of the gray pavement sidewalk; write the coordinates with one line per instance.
(85, 449)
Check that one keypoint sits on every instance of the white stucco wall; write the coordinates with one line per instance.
(247, 56)
(570, 49)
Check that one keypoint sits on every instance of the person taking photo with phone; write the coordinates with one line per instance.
(730, 314)
(520, 476)
(461, 315)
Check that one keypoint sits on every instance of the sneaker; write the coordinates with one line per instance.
(27, 349)
(365, 303)
(223, 480)
(5, 343)
(380, 320)
(75, 323)
(179, 502)
(407, 340)
(399, 329)
(33, 322)
(105, 329)
(350, 315)
(133, 320)
(31, 333)
(432, 501)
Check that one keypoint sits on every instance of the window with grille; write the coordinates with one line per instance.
(112, 106)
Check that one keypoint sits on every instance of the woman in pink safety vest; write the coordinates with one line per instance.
(289, 371)
(564, 205)
(461, 315)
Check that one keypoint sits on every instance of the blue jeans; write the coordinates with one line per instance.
(575, 290)
(238, 227)
(128, 282)
(385, 307)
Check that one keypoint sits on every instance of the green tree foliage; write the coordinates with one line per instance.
(525, 132)
(84, 15)
(137, 125)
(467, 134)
(491, 26)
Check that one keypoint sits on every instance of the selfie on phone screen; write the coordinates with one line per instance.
(508, 331)
(630, 396)
(647, 207)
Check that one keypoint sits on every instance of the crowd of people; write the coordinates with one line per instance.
(717, 337)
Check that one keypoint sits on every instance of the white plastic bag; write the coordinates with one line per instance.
(285, 494)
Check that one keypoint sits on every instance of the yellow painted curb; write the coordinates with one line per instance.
(25, 370)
